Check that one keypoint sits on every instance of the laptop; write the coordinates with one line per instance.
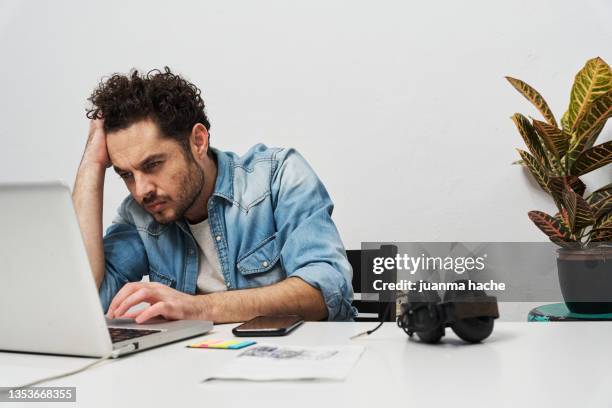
(49, 301)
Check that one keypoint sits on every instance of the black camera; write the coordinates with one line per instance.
(469, 313)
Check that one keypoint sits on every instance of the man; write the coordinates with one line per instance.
(222, 237)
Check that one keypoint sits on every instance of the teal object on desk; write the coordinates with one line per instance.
(558, 312)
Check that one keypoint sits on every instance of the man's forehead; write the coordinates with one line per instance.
(129, 147)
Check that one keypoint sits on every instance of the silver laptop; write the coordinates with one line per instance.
(48, 298)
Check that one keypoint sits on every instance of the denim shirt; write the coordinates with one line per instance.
(270, 217)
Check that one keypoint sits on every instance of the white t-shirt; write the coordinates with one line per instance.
(210, 278)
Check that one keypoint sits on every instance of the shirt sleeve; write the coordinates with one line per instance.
(312, 249)
(125, 259)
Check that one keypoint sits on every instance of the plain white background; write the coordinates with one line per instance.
(401, 107)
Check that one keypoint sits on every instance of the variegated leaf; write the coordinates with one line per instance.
(576, 148)
(554, 138)
(593, 158)
(601, 235)
(594, 116)
(594, 135)
(537, 171)
(531, 139)
(566, 244)
(563, 218)
(576, 184)
(602, 207)
(579, 212)
(557, 185)
(551, 226)
(593, 80)
(600, 194)
(579, 146)
(534, 97)
(605, 221)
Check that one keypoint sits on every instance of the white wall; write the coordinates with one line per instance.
(400, 106)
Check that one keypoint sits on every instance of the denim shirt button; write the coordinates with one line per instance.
(218, 238)
(228, 284)
(264, 264)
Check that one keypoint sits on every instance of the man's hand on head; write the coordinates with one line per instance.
(164, 301)
(87, 196)
(95, 150)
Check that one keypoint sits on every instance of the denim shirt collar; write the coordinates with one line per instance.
(224, 186)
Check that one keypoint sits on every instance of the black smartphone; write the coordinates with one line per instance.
(263, 326)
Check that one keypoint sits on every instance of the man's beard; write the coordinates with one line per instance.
(191, 186)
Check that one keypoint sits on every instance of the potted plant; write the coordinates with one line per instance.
(557, 156)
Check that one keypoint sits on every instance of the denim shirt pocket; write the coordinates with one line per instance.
(155, 276)
(260, 266)
(261, 258)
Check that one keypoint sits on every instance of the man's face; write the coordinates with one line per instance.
(163, 178)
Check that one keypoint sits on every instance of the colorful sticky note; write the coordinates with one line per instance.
(223, 344)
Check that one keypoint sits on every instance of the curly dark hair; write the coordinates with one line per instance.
(173, 103)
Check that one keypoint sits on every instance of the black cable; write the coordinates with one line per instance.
(382, 320)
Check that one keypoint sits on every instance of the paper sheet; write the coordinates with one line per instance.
(266, 362)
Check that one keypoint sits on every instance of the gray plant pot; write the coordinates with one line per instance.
(585, 278)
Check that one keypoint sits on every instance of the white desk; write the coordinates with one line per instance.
(520, 365)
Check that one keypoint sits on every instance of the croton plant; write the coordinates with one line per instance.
(560, 154)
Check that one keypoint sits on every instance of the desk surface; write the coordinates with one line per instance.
(522, 364)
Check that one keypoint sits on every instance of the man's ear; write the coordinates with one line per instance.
(199, 140)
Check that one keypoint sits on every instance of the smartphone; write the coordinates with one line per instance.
(263, 326)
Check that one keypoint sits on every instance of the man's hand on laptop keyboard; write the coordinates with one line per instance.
(165, 302)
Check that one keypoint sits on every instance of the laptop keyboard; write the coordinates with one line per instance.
(120, 334)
